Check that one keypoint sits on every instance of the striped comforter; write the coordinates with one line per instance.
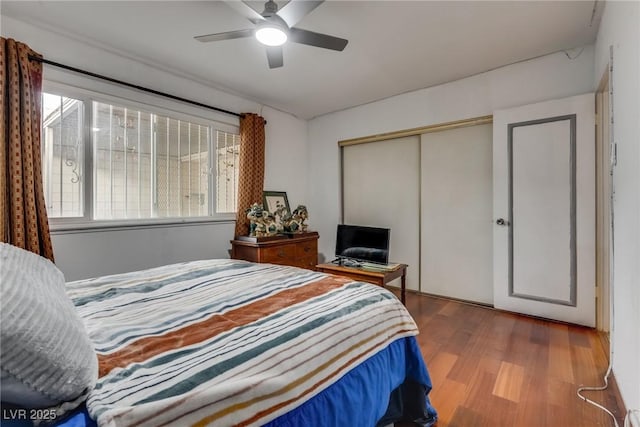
(226, 342)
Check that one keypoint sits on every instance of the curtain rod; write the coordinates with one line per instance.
(142, 88)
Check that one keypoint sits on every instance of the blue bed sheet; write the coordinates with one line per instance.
(360, 398)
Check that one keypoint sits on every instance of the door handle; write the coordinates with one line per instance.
(502, 222)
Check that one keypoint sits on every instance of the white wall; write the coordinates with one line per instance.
(549, 77)
(620, 28)
(87, 254)
(101, 252)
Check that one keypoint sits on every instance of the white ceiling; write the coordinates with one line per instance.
(394, 46)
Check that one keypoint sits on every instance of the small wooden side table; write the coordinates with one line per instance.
(380, 278)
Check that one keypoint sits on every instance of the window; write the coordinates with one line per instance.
(144, 164)
(148, 165)
(228, 155)
(62, 168)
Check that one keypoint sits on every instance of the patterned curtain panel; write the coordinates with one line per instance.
(251, 173)
(23, 214)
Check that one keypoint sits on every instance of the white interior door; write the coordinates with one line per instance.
(544, 209)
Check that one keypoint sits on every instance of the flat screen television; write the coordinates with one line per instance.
(362, 243)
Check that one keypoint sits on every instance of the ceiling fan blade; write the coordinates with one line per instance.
(316, 39)
(294, 11)
(274, 55)
(225, 36)
(245, 10)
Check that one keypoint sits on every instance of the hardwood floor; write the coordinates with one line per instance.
(491, 368)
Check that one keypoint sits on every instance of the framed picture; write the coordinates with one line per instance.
(274, 200)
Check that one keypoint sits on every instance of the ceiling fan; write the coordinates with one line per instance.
(274, 27)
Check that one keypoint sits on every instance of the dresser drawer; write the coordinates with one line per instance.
(298, 250)
(282, 254)
(307, 249)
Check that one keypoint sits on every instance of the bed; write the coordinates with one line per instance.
(227, 342)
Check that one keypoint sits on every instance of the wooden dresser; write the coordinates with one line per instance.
(298, 250)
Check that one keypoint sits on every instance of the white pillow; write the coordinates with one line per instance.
(46, 357)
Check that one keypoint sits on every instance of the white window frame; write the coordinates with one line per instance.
(161, 107)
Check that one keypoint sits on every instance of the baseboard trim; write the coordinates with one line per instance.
(460, 300)
(491, 307)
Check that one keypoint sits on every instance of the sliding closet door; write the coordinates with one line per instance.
(456, 213)
(381, 189)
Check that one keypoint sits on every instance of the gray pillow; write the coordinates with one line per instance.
(46, 357)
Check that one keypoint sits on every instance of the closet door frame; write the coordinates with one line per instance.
(438, 127)
(397, 135)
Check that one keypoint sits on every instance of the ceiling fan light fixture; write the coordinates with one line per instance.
(271, 35)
